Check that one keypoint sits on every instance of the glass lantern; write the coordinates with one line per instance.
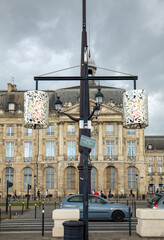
(135, 109)
(36, 109)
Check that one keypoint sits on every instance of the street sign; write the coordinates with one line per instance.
(87, 142)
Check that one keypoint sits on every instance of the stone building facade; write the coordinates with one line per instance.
(48, 158)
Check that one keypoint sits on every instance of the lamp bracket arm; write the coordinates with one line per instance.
(72, 118)
(96, 107)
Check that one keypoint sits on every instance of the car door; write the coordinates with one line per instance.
(98, 208)
(75, 202)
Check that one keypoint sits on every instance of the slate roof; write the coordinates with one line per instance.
(71, 94)
(157, 142)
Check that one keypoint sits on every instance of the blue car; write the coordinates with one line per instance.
(98, 207)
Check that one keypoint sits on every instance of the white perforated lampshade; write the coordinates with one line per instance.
(36, 109)
(135, 109)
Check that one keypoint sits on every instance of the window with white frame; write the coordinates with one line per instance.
(49, 178)
(131, 150)
(131, 178)
(9, 175)
(11, 107)
(9, 151)
(70, 178)
(70, 129)
(150, 168)
(28, 132)
(71, 150)
(131, 131)
(50, 150)
(27, 177)
(110, 148)
(93, 184)
(28, 151)
(50, 130)
(10, 130)
(109, 129)
(159, 159)
(159, 168)
(93, 154)
(150, 159)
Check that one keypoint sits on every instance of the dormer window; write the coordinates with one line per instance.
(11, 107)
(150, 147)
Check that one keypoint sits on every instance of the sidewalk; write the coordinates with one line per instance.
(92, 236)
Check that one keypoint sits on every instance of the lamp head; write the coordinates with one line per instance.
(58, 104)
(99, 96)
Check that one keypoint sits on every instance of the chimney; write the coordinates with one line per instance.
(12, 87)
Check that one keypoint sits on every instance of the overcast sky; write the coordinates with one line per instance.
(38, 36)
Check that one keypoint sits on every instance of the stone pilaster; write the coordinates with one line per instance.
(100, 142)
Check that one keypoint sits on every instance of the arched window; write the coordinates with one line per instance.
(70, 178)
(49, 178)
(110, 176)
(27, 177)
(93, 178)
(9, 175)
(131, 177)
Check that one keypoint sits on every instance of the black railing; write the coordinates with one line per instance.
(50, 158)
(111, 158)
(28, 159)
(9, 159)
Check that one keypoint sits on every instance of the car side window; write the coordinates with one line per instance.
(75, 199)
(94, 199)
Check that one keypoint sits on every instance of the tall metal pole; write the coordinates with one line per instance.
(84, 114)
(7, 197)
(84, 100)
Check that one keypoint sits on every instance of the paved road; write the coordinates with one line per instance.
(28, 222)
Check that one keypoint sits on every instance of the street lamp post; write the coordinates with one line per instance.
(137, 185)
(34, 187)
(84, 167)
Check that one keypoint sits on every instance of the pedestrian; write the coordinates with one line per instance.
(96, 193)
(102, 194)
(46, 194)
(38, 194)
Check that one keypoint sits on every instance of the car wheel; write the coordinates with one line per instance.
(118, 216)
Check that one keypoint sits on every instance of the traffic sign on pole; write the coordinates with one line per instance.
(87, 142)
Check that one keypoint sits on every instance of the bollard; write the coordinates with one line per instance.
(35, 210)
(43, 219)
(10, 210)
(127, 203)
(22, 207)
(129, 222)
(134, 208)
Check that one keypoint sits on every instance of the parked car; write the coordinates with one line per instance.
(157, 201)
(98, 207)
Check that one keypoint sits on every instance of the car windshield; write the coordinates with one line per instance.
(154, 199)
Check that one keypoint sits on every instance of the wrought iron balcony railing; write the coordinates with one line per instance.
(71, 158)
(131, 158)
(28, 159)
(111, 158)
(50, 158)
(9, 159)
